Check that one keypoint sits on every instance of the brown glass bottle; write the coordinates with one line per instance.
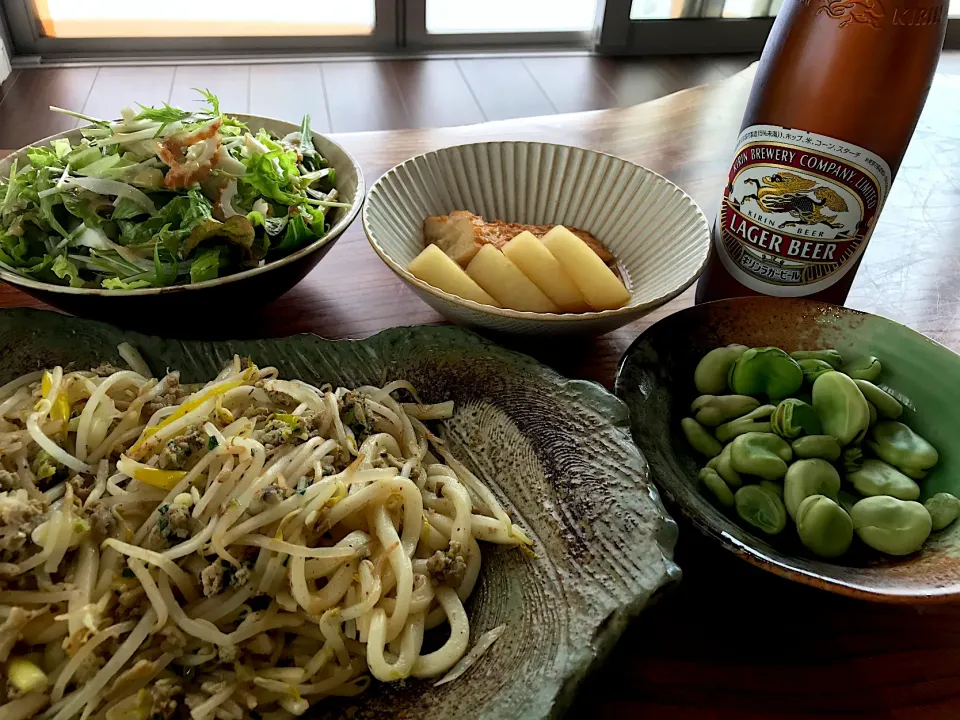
(837, 95)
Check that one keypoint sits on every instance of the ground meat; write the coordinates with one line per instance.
(271, 495)
(448, 568)
(18, 518)
(173, 527)
(281, 398)
(228, 653)
(102, 521)
(212, 579)
(178, 450)
(172, 396)
(82, 486)
(104, 370)
(9, 480)
(220, 575)
(164, 693)
(129, 602)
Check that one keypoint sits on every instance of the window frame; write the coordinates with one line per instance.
(26, 40)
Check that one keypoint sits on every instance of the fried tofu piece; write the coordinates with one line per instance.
(461, 234)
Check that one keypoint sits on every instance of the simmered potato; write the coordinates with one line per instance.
(600, 287)
(535, 261)
(435, 268)
(501, 278)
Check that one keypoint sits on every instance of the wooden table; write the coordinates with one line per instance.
(731, 641)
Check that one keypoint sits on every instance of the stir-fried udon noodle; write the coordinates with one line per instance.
(244, 548)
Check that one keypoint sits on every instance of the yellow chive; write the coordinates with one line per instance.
(46, 383)
(61, 408)
(163, 479)
(187, 407)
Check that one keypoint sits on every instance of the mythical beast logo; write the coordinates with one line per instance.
(862, 12)
(801, 197)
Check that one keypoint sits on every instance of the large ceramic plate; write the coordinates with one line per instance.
(557, 452)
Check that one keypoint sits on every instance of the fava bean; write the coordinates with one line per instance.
(842, 409)
(852, 458)
(755, 421)
(724, 467)
(878, 478)
(713, 410)
(903, 448)
(794, 418)
(717, 487)
(812, 369)
(768, 371)
(824, 527)
(830, 357)
(826, 447)
(864, 368)
(700, 438)
(809, 477)
(847, 500)
(710, 377)
(762, 454)
(773, 486)
(887, 405)
(761, 507)
(892, 526)
(944, 508)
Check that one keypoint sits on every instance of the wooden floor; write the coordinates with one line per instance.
(364, 95)
(357, 96)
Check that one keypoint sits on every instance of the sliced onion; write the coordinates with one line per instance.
(111, 187)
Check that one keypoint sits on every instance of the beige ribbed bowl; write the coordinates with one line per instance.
(656, 232)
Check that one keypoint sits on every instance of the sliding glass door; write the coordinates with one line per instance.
(188, 29)
(181, 28)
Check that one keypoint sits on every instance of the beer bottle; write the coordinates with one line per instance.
(837, 95)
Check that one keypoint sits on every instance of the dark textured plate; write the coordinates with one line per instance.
(557, 453)
(656, 381)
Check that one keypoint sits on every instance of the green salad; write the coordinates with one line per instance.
(163, 196)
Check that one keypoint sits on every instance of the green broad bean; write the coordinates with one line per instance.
(873, 413)
(762, 454)
(794, 418)
(825, 447)
(863, 368)
(768, 371)
(713, 410)
(809, 477)
(824, 527)
(944, 508)
(812, 369)
(710, 377)
(723, 464)
(761, 507)
(852, 458)
(900, 446)
(842, 409)
(700, 438)
(774, 487)
(717, 487)
(887, 405)
(878, 478)
(892, 526)
(755, 421)
(830, 357)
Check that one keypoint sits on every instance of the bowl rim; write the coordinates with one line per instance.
(594, 315)
(335, 232)
(785, 565)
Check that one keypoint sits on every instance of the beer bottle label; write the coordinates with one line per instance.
(798, 209)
